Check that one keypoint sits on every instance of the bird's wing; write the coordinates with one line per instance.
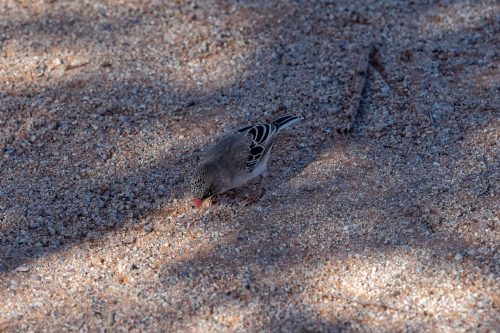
(263, 137)
(230, 152)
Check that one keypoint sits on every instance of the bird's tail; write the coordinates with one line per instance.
(284, 122)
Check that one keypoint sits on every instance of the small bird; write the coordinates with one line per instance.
(236, 159)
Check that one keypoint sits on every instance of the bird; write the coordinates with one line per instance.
(236, 159)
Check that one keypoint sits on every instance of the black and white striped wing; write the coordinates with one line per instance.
(262, 140)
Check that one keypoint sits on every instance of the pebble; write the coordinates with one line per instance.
(23, 269)
(472, 252)
(258, 209)
(328, 108)
(55, 63)
(148, 228)
(130, 239)
(102, 110)
(75, 63)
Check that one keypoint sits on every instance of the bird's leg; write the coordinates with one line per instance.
(212, 201)
(256, 196)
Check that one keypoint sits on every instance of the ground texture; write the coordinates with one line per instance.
(381, 210)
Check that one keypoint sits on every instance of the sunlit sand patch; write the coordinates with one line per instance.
(458, 16)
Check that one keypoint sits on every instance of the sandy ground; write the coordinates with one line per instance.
(381, 210)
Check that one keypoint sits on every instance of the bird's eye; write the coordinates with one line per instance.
(207, 194)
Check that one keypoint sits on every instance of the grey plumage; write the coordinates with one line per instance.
(237, 158)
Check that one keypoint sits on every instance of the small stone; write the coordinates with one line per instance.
(205, 47)
(472, 252)
(329, 108)
(309, 188)
(55, 63)
(110, 318)
(40, 70)
(386, 90)
(129, 240)
(102, 110)
(9, 151)
(459, 256)
(23, 269)
(52, 230)
(148, 228)
(75, 63)
(22, 240)
(161, 190)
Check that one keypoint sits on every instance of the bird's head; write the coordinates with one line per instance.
(202, 185)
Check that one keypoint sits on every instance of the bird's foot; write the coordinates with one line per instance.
(255, 196)
(213, 200)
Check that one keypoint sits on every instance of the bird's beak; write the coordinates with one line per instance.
(198, 202)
